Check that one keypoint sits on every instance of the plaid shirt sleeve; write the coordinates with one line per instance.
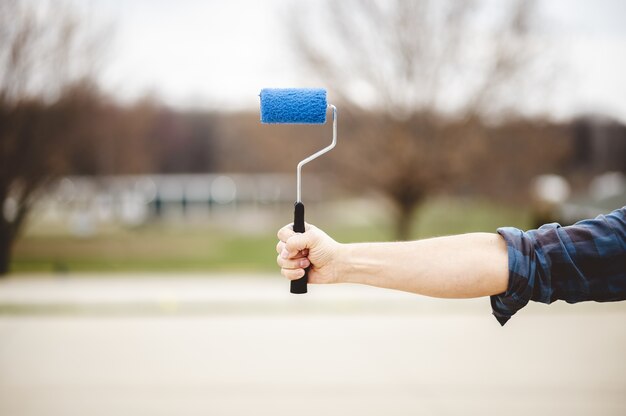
(584, 261)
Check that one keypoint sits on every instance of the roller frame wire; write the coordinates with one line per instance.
(299, 286)
(315, 156)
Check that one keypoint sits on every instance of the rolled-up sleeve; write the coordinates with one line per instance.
(584, 261)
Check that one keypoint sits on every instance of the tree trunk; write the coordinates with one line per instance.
(8, 233)
(404, 222)
(6, 241)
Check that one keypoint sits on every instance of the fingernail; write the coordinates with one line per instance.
(284, 254)
(304, 263)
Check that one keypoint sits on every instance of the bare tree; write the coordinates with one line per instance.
(45, 97)
(407, 68)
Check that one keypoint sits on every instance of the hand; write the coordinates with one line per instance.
(297, 251)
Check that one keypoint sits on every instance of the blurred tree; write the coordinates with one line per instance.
(244, 147)
(516, 152)
(119, 140)
(183, 141)
(47, 102)
(417, 79)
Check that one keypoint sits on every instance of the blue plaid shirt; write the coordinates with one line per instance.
(585, 261)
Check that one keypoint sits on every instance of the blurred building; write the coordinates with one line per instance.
(599, 144)
(85, 203)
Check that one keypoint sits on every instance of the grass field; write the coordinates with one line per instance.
(220, 246)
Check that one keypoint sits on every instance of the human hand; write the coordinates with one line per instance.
(297, 251)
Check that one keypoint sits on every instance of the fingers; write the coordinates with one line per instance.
(287, 231)
(293, 249)
(292, 274)
(280, 249)
(292, 268)
(296, 244)
(297, 263)
(292, 244)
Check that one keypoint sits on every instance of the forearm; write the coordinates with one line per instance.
(461, 266)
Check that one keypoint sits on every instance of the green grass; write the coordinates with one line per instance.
(151, 248)
(456, 216)
(184, 248)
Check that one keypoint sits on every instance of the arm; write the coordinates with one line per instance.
(581, 262)
(462, 266)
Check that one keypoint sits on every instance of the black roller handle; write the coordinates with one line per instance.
(299, 286)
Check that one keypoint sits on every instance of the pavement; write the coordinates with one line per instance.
(163, 344)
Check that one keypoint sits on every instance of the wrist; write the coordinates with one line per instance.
(341, 269)
(347, 270)
(359, 263)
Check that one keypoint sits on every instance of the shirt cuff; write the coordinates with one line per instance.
(521, 275)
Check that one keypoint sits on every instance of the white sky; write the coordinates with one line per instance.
(219, 54)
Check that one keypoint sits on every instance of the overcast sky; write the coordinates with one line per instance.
(219, 54)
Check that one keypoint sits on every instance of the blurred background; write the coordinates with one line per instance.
(140, 197)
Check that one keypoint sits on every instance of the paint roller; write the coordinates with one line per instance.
(298, 106)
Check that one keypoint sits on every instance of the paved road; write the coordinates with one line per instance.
(239, 346)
